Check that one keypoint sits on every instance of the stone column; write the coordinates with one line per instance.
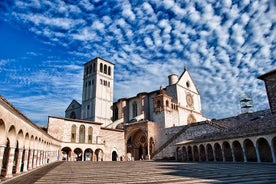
(257, 153)
(25, 161)
(206, 153)
(19, 160)
(272, 152)
(232, 153)
(10, 163)
(34, 158)
(214, 153)
(30, 163)
(2, 150)
(38, 158)
(244, 155)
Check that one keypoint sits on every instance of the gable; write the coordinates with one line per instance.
(186, 81)
(73, 105)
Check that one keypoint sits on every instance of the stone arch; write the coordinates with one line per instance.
(73, 133)
(238, 153)
(2, 132)
(88, 154)
(82, 134)
(250, 151)
(137, 144)
(114, 154)
(218, 152)
(66, 153)
(202, 153)
(190, 153)
(227, 151)
(99, 154)
(196, 154)
(12, 136)
(20, 138)
(78, 154)
(210, 154)
(27, 141)
(264, 150)
(185, 156)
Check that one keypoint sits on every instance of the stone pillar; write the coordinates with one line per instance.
(214, 153)
(272, 152)
(148, 154)
(38, 158)
(2, 150)
(34, 158)
(19, 160)
(206, 153)
(30, 163)
(244, 155)
(232, 153)
(10, 163)
(223, 154)
(257, 153)
(25, 160)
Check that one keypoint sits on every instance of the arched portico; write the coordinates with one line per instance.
(202, 153)
(137, 145)
(227, 151)
(78, 154)
(66, 153)
(88, 154)
(210, 153)
(250, 151)
(264, 150)
(99, 154)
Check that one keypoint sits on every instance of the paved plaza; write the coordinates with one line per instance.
(148, 172)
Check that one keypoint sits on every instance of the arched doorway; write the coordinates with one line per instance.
(114, 156)
(185, 156)
(202, 153)
(99, 155)
(227, 152)
(137, 145)
(250, 151)
(264, 150)
(218, 152)
(66, 153)
(238, 153)
(190, 153)
(88, 155)
(78, 154)
(210, 154)
(196, 155)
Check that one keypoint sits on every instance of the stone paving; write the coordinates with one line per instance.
(149, 172)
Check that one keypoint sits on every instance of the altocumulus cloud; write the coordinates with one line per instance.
(225, 45)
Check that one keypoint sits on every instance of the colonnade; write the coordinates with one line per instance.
(247, 149)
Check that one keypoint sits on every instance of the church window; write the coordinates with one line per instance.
(167, 103)
(101, 67)
(82, 134)
(73, 133)
(134, 109)
(109, 70)
(108, 84)
(105, 69)
(73, 115)
(105, 83)
(90, 133)
(188, 84)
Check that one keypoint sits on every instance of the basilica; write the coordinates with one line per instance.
(166, 123)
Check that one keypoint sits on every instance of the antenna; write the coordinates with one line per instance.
(246, 103)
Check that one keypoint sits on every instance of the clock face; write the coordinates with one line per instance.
(189, 99)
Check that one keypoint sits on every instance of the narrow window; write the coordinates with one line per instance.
(82, 134)
(73, 133)
(105, 69)
(134, 109)
(101, 67)
(109, 70)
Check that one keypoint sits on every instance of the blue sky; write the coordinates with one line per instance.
(224, 44)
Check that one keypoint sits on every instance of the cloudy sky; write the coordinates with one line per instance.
(224, 44)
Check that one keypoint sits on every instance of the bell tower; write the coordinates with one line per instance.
(97, 95)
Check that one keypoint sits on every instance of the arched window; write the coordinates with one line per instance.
(73, 133)
(90, 69)
(82, 134)
(167, 103)
(134, 109)
(101, 67)
(109, 70)
(105, 69)
(73, 115)
(90, 135)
